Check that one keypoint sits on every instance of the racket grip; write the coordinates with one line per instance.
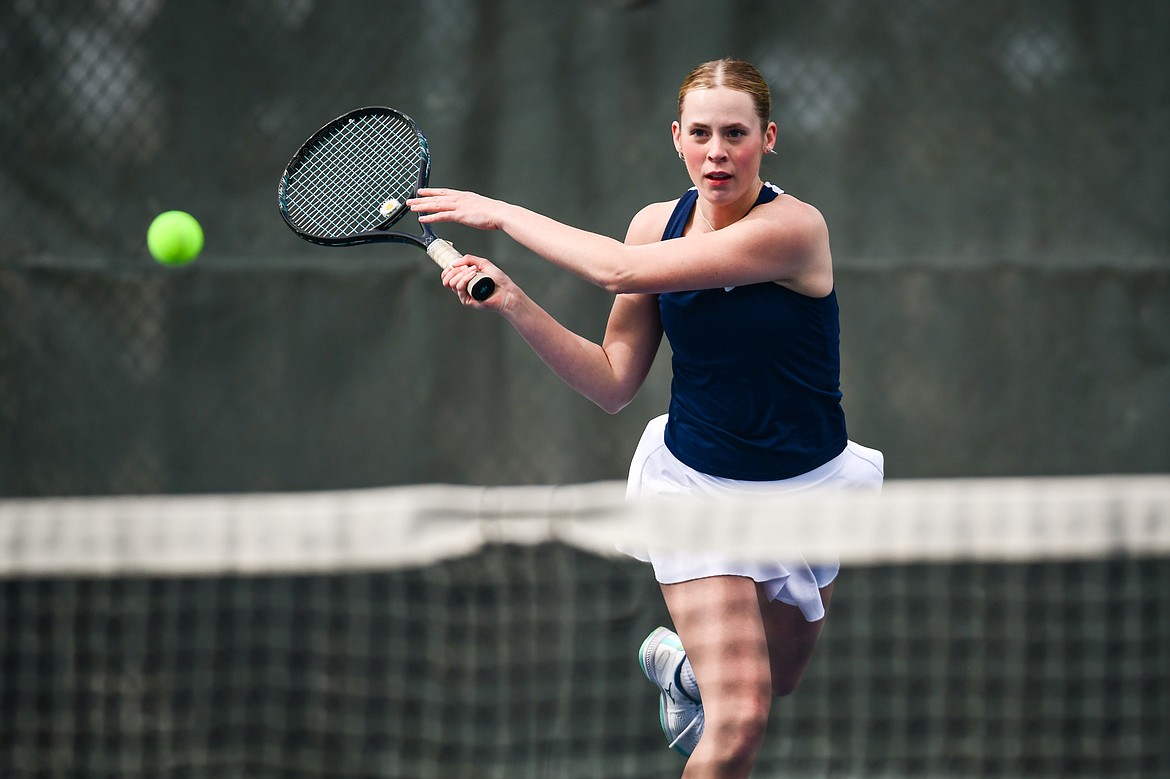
(443, 253)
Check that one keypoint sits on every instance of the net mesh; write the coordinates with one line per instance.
(979, 628)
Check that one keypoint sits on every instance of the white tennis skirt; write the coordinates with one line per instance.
(654, 471)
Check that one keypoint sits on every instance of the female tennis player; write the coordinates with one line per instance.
(739, 276)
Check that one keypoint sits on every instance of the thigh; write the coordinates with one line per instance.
(791, 639)
(719, 621)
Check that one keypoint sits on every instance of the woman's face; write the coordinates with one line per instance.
(722, 143)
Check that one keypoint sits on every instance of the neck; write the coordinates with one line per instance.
(718, 217)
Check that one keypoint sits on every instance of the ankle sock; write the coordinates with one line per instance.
(685, 679)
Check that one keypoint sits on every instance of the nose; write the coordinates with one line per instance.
(715, 151)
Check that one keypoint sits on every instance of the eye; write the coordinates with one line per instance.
(698, 132)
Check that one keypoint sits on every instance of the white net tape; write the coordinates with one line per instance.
(913, 520)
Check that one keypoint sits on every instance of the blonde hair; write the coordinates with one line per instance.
(734, 74)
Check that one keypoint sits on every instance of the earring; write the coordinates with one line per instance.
(680, 155)
(769, 151)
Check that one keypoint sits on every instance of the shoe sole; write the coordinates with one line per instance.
(647, 650)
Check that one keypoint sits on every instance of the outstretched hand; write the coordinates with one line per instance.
(451, 205)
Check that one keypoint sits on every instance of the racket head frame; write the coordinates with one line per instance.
(378, 232)
(443, 253)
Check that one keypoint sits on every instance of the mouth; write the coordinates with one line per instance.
(717, 176)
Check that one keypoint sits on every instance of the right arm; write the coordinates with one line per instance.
(609, 373)
(785, 241)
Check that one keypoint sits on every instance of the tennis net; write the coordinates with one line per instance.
(986, 627)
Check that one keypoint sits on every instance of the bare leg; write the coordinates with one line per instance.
(743, 649)
(721, 625)
(791, 639)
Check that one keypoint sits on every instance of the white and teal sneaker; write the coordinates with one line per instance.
(681, 716)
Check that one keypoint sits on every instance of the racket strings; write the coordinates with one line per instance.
(343, 179)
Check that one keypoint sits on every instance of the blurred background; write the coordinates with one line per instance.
(996, 180)
(995, 177)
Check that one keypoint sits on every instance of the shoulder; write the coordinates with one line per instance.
(798, 237)
(795, 228)
(648, 224)
(792, 213)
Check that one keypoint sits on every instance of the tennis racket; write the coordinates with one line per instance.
(349, 182)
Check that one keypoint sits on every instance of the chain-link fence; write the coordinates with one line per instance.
(994, 175)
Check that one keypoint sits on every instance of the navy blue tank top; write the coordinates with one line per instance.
(756, 388)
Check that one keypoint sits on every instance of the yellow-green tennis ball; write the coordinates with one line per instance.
(174, 238)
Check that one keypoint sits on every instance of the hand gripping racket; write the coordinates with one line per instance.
(348, 184)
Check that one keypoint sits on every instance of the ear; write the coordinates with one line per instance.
(676, 134)
(770, 138)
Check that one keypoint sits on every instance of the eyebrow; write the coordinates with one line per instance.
(728, 126)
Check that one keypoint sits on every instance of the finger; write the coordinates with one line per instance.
(429, 203)
(460, 283)
(428, 214)
(457, 278)
(450, 275)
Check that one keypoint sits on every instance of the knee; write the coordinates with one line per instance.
(786, 676)
(751, 727)
(736, 737)
(785, 684)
